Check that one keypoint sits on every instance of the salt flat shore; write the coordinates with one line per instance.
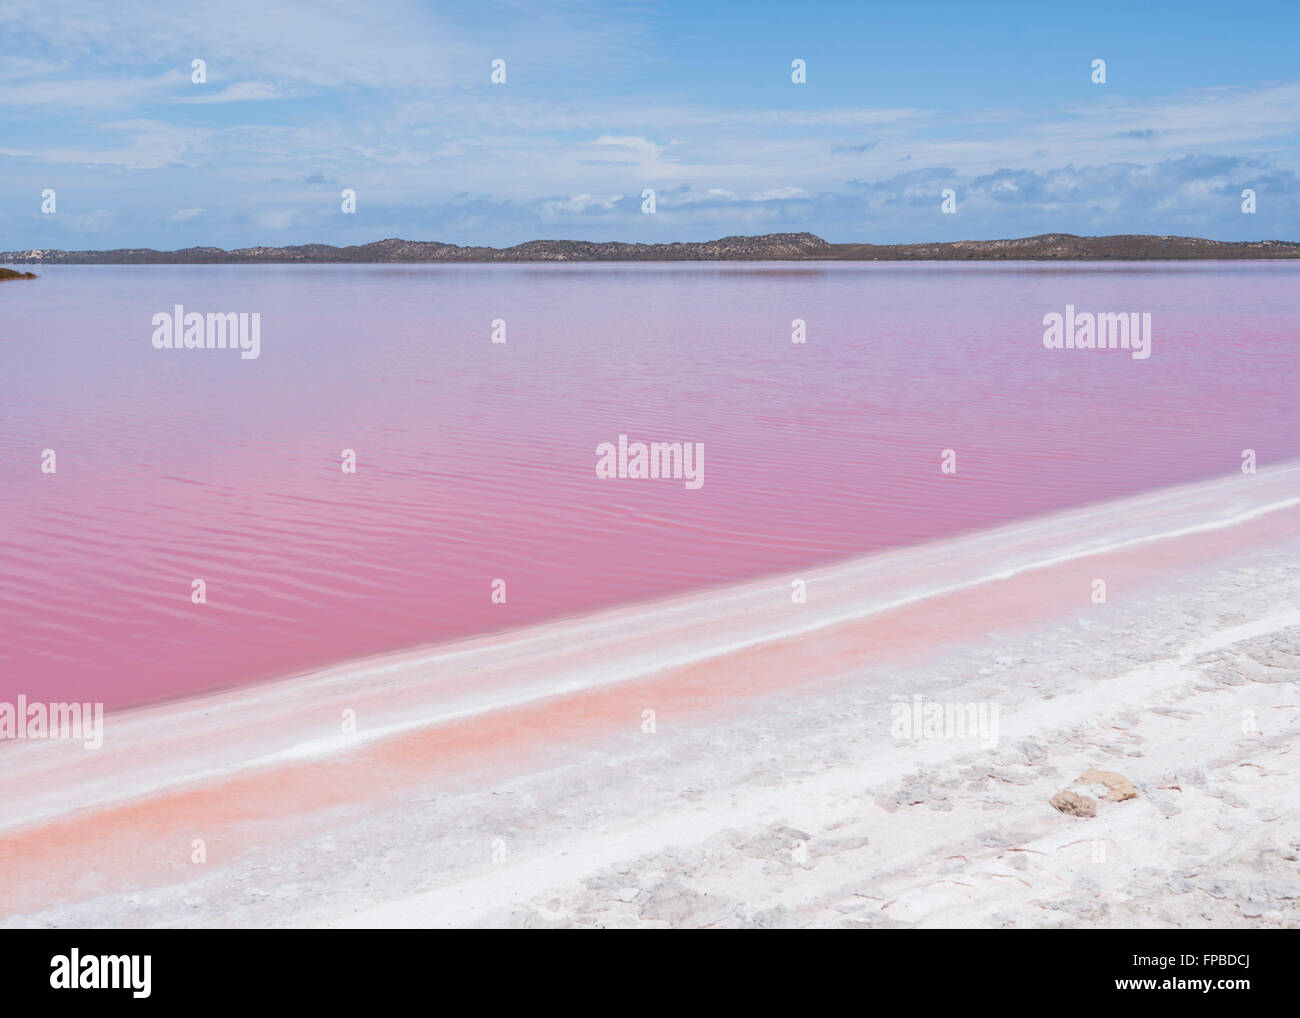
(520, 780)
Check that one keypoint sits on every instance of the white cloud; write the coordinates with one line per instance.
(243, 91)
(644, 148)
(780, 192)
(581, 203)
(91, 92)
(153, 145)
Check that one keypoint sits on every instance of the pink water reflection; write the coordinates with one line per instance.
(476, 460)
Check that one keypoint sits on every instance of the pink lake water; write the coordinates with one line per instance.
(476, 461)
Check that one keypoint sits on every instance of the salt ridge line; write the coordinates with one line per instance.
(740, 592)
(384, 664)
(318, 748)
(322, 747)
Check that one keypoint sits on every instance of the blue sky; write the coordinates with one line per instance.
(394, 100)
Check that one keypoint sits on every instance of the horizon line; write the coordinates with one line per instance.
(789, 246)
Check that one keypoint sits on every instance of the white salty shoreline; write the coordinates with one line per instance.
(508, 781)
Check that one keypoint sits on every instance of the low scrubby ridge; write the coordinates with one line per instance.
(791, 247)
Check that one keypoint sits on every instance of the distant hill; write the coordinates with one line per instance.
(769, 247)
(1068, 247)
